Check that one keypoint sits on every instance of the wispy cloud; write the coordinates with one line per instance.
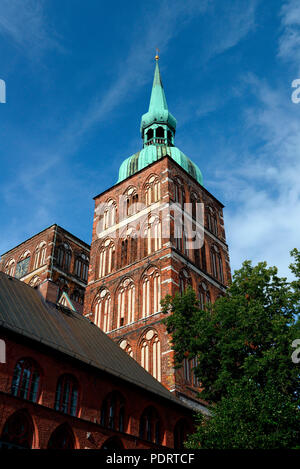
(289, 42)
(45, 169)
(263, 217)
(240, 20)
(24, 23)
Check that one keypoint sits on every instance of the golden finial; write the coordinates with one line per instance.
(157, 56)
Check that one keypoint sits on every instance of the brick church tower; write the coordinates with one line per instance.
(141, 250)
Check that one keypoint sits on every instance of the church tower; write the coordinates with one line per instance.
(144, 247)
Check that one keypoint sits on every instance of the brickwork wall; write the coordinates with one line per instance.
(94, 387)
(50, 277)
(168, 261)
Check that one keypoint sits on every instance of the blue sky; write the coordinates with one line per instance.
(79, 75)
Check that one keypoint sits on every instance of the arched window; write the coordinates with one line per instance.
(23, 265)
(63, 256)
(212, 223)
(179, 194)
(216, 264)
(66, 397)
(106, 258)
(126, 347)
(152, 190)
(170, 137)
(151, 292)
(180, 434)
(103, 310)
(149, 136)
(150, 427)
(62, 438)
(150, 352)
(17, 432)
(152, 235)
(129, 247)
(109, 216)
(10, 268)
(204, 295)
(145, 355)
(184, 280)
(130, 202)
(40, 255)
(113, 412)
(160, 132)
(26, 380)
(126, 303)
(81, 267)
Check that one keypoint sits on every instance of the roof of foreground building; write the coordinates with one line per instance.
(24, 311)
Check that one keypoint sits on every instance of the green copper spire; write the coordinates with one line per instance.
(158, 112)
(158, 98)
(158, 128)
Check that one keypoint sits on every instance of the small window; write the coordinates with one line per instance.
(66, 399)
(26, 380)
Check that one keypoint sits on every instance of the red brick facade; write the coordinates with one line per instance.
(86, 431)
(128, 264)
(52, 273)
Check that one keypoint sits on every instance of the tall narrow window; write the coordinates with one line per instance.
(81, 267)
(150, 352)
(26, 380)
(212, 223)
(103, 310)
(187, 369)
(204, 295)
(106, 258)
(126, 303)
(151, 283)
(63, 256)
(152, 235)
(150, 427)
(184, 280)
(152, 190)
(113, 412)
(156, 358)
(145, 355)
(216, 264)
(66, 397)
(109, 214)
(131, 201)
(40, 255)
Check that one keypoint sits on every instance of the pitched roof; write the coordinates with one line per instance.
(24, 311)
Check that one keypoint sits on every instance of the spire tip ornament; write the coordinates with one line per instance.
(157, 56)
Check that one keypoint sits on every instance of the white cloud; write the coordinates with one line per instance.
(45, 169)
(263, 190)
(24, 22)
(231, 22)
(289, 42)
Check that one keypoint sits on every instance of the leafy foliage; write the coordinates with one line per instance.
(243, 345)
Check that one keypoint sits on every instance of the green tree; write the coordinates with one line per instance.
(243, 345)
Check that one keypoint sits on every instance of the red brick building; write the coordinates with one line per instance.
(65, 384)
(140, 252)
(105, 378)
(53, 260)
